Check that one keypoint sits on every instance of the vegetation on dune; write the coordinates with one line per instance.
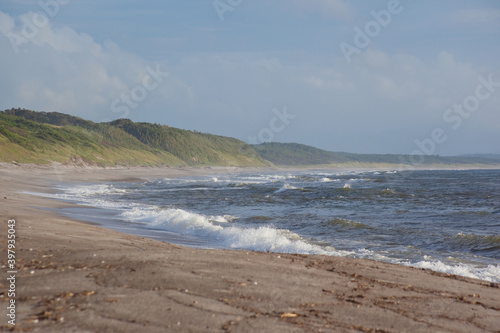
(294, 154)
(44, 137)
(53, 118)
(192, 147)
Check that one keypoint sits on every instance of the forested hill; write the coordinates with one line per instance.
(44, 137)
(294, 154)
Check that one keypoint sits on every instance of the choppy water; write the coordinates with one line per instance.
(447, 221)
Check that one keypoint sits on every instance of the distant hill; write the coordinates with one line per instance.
(44, 137)
(495, 157)
(294, 154)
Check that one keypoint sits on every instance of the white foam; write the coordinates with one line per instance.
(228, 179)
(222, 218)
(358, 180)
(488, 273)
(325, 180)
(219, 230)
(372, 255)
(89, 195)
(258, 239)
(91, 190)
(286, 187)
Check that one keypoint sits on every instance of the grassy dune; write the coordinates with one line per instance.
(42, 138)
(45, 137)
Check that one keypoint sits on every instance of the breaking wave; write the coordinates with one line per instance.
(258, 239)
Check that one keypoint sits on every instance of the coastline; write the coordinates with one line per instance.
(80, 277)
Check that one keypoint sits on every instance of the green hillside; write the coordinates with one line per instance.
(294, 154)
(44, 137)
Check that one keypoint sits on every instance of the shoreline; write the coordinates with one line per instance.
(111, 218)
(74, 276)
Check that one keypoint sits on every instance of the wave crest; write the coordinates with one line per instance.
(264, 238)
(348, 224)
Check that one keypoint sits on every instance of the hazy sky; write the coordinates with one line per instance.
(360, 76)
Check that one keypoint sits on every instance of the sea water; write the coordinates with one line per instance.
(447, 221)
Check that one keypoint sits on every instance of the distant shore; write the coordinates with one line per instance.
(77, 277)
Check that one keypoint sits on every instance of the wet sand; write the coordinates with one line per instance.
(78, 277)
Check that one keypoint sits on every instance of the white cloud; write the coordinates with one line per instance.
(60, 69)
(6, 23)
(379, 86)
(379, 95)
(314, 81)
(376, 58)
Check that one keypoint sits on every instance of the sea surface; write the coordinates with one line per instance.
(447, 221)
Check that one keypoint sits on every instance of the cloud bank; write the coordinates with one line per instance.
(381, 102)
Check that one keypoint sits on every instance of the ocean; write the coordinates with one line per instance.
(446, 220)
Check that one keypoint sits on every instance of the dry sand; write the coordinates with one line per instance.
(76, 277)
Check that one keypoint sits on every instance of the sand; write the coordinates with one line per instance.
(77, 277)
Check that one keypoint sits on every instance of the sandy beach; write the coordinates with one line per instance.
(78, 277)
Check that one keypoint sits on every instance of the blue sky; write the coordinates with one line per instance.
(270, 70)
